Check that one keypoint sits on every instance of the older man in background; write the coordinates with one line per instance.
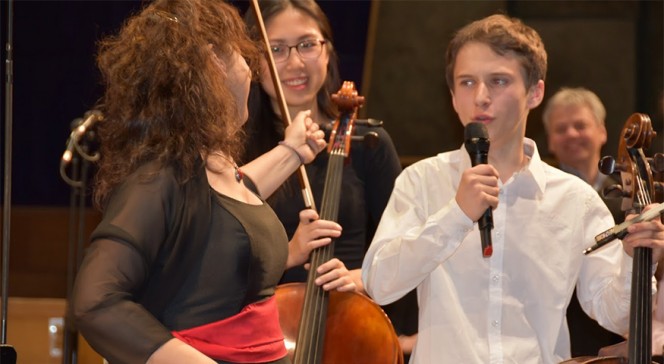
(574, 122)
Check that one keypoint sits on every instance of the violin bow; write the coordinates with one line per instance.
(307, 195)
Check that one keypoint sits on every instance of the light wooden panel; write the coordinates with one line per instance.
(35, 330)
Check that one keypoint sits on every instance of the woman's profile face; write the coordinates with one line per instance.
(302, 74)
(238, 76)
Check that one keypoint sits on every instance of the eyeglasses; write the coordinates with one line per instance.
(307, 49)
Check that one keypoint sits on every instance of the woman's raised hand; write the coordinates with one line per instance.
(305, 137)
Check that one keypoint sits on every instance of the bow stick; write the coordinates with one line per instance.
(307, 195)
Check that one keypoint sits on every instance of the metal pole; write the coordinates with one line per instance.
(7, 353)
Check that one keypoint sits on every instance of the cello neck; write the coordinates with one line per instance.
(640, 318)
(639, 191)
(311, 334)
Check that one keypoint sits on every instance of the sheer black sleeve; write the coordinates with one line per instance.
(126, 251)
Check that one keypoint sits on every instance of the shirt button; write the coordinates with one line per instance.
(495, 278)
(494, 323)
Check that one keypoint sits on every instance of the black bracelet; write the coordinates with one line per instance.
(283, 143)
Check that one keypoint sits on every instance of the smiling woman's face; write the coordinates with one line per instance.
(301, 79)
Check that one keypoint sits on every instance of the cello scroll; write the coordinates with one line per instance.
(639, 186)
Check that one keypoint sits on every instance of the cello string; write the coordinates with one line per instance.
(643, 260)
(316, 312)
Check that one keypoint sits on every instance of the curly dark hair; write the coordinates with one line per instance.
(167, 99)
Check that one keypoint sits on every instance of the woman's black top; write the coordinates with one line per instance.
(171, 256)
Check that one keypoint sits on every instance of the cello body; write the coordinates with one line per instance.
(355, 329)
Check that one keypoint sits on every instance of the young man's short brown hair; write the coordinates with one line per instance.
(504, 35)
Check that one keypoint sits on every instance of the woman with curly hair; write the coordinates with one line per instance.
(183, 266)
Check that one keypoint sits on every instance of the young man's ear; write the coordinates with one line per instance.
(536, 95)
(453, 101)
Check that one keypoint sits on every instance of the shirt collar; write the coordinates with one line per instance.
(535, 167)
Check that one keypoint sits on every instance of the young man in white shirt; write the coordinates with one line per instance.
(509, 307)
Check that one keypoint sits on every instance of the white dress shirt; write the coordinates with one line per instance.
(509, 308)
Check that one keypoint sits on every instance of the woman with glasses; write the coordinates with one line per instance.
(301, 42)
(302, 47)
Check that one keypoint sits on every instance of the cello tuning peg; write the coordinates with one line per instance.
(613, 191)
(657, 162)
(369, 122)
(607, 165)
(659, 187)
(369, 139)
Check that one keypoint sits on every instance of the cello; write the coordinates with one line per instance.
(638, 188)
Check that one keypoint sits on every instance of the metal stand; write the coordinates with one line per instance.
(76, 159)
(7, 352)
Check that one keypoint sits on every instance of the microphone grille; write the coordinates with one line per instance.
(475, 130)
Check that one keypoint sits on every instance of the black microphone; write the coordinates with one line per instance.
(477, 144)
(91, 117)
